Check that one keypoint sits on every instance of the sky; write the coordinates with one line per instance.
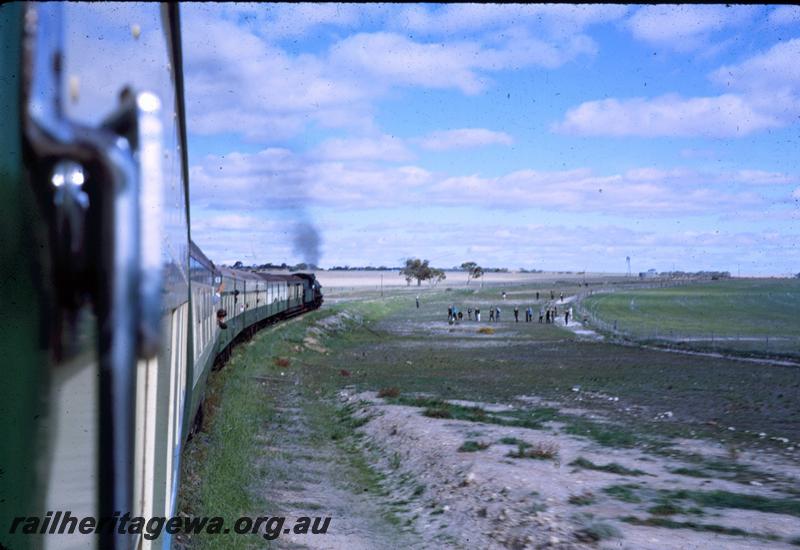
(552, 137)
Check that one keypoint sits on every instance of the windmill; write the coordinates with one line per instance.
(628, 261)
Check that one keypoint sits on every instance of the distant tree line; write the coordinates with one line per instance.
(367, 268)
(270, 266)
(696, 274)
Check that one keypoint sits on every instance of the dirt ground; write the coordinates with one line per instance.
(522, 436)
(490, 500)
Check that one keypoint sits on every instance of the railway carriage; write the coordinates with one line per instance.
(112, 317)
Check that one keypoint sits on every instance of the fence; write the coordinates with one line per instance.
(708, 341)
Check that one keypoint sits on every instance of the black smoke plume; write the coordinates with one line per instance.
(307, 242)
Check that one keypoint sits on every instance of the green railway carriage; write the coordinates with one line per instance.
(112, 317)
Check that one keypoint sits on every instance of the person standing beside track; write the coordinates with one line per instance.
(477, 314)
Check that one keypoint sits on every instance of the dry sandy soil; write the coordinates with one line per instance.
(486, 499)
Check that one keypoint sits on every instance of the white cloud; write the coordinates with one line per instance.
(397, 60)
(728, 115)
(464, 138)
(463, 18)
(764, 94)
(379, 148)
(583, 191)
(392, 59)
(279, 179)
(762, 177)
(239, 83)
(777, 69)
(239, 80)
(686, 27)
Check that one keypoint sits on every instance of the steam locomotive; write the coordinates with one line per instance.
(112, 317)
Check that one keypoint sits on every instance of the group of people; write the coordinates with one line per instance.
(550, 314)
(547, 314)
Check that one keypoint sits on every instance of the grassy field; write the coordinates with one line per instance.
(746, 315)
(418, 359)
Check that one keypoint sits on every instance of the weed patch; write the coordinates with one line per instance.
(546, 450)
(605, 434)
(725, 499)
(388, 392)
(612, 468)
(594, 531)
(513, 441)
(625, 493)
(703, 527)
(472, 446)
(583, 499)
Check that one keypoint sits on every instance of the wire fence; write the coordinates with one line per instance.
(696, 340)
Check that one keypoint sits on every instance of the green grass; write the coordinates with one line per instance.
(726, 499)
(470, 446)
(221, 462)
(612, 468)
(540, 360)
(220, 467)
(625, 492)
(397, 346)
(439, 408)
(729, 309)
(703, 527)
(608, 435)
(583, 499)
(513, 441)
(666, 509)
(592, 530)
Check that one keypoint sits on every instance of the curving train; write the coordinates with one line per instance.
(112, 318)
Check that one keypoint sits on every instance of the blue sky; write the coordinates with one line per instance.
(550, 137)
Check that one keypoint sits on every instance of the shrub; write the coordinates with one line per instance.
(388, 392)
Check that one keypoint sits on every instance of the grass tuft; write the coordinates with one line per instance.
(513, 441)
(742, 501)
(705, 527)
(607, 435)
(545, 450)
(471, 446)
(389, 392)
(612, 468)
(583, 499)
(625, 493)
(595, 531)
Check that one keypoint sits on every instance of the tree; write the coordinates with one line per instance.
(416, 269)
(437, 276)
(473, 270)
